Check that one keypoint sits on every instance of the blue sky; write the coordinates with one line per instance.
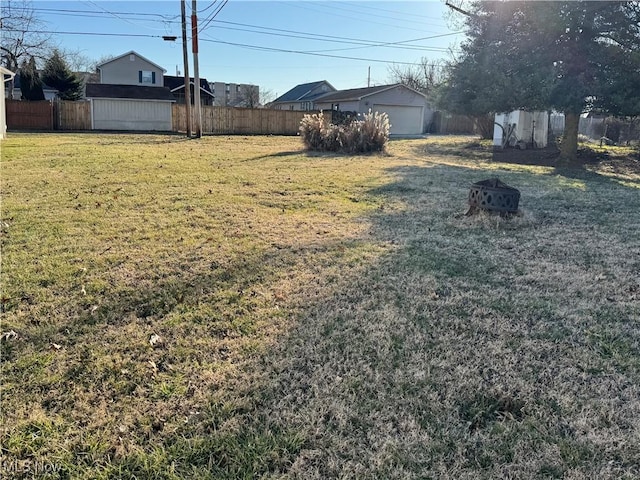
(258, 41)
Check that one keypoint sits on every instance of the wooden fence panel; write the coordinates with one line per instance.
(73, 115)
(448, 124)
(29, 115)
(240, 121)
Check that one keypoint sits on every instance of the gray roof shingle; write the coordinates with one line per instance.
(107, 90)
(303, 92)
(172, 83)
(354, 93)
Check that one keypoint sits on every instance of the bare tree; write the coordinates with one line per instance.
(93, 66)
(423, 77)
(21, 37)
(249, 96)
(78, 61)
(266, 96)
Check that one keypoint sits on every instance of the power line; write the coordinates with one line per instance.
(300, 52)
(354, 41)
(362, 44)
(115, 15)
(106, 12)
(298, 5)
(278, 31)
(210, 5)
(88, 33)
(215, 14)
(369, 7)
(242, 45)
(334, 6)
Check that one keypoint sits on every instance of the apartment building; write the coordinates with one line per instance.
(235, 94)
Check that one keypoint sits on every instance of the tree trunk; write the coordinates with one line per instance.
(569, 145)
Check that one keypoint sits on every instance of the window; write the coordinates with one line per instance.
(227, 88)
(146, 77)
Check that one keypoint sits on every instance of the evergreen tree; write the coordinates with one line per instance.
(58, 75)
(571, 56)
(30, 83)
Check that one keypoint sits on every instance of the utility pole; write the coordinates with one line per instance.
(369, 77)
(196, 71)
(185, 59)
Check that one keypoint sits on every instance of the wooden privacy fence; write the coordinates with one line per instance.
(247, 121)
(29, 115)
(446, 123)
(47, 115)
(72, 115)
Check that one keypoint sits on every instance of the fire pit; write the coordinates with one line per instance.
(493, 195)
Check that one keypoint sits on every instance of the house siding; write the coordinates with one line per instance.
(126, 71)
(395, 97)
(142, 115)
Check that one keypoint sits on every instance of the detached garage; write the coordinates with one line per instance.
(408, 110)
(130, 107)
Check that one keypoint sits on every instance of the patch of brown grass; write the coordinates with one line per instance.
(317, 316)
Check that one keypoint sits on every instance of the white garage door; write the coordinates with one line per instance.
(143, 115)
(404, 120)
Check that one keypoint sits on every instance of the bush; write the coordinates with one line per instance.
(361, 136)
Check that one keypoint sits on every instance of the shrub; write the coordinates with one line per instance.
(361, 136)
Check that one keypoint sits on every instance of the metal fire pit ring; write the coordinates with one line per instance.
(492, 194)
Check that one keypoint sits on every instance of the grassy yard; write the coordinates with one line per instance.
(236, 308)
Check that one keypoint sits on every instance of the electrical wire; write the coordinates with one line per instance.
(369, 6)
(273, 31)
(301, 52)
(204, 27)
(207, 8)
(242, 45)
(165, 17)
(101, 34)
(334, 6)
(400, 44)
(135, 24)
(299, 5)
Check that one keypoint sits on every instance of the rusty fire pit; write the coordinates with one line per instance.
(494, 195)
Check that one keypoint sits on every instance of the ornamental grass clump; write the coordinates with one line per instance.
(361, 136)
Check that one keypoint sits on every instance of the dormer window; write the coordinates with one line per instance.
(146, 77)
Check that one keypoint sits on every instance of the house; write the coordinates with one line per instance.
(131, 68)
(49, 92)
(130, 96)
(408, 110)
(7, 76)
(176, 86)
(235, 94)
(303, 97)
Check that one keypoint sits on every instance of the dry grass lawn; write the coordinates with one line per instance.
(237, 308)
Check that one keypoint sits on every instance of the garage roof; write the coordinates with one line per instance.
(133, 92)
(304, 92)
(355, 94)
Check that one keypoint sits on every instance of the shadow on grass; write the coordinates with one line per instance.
(618, 165)
(421, 361)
